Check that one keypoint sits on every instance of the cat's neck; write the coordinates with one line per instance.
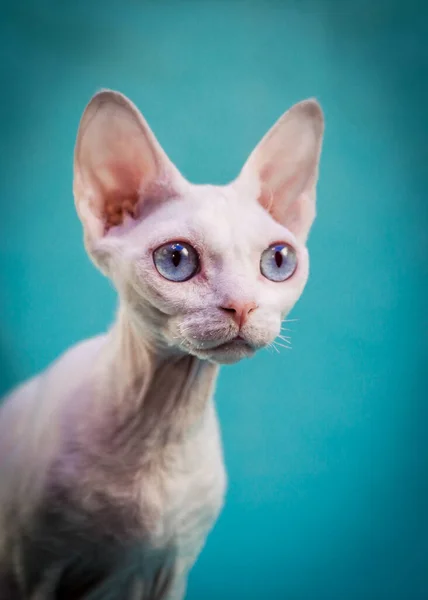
(150, 396)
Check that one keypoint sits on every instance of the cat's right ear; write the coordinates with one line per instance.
(118, 165)
(283, 168)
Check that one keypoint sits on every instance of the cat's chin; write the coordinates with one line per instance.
(227, 353)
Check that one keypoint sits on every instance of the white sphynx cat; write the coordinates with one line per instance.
(111, 468)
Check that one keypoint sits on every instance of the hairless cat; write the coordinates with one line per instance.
(111, 468)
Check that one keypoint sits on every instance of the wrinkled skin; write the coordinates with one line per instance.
(111, 468)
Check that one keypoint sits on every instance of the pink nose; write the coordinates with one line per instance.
(239, 311)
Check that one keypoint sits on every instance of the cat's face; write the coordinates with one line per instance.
(203, 260)
(207, 270)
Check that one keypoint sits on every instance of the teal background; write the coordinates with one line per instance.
(326, 445)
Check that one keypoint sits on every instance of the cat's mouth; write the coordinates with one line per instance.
(219, 343)
(235, 342)
(227, 352)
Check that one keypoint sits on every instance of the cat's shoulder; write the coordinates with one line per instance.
(36, 401)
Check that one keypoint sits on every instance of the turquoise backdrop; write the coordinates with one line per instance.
(326, 445)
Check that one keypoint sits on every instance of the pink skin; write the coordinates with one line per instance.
(273, 199)
(230, 275)
(120, 434)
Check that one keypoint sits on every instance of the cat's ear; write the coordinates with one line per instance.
(118, 165)
(284, 167)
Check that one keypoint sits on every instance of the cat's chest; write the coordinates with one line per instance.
(172, 499)
(182, 493)
(187, 501)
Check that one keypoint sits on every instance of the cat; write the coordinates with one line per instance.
(111, 468)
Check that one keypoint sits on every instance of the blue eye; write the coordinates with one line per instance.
(176, 261)
(278, 262)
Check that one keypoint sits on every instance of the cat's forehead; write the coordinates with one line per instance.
(217, 219)
(221, 212)
(221, 217)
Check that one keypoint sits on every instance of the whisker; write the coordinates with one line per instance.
(183, 328)
(271, 346)
(283, 346)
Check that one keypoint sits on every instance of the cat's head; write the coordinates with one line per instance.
(207, 270)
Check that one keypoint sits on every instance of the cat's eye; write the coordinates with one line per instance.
(176, 261)
(278, 262)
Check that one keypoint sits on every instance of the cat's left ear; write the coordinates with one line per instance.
(283, 168)
(119, 166)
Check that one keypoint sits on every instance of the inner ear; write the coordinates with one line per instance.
(118, 163)
(284, 167)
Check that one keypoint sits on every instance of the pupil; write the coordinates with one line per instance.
(176, 258)
(278, 258)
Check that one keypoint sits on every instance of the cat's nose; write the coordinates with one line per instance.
(239, 311)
